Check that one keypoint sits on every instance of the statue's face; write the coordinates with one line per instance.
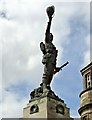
(51, 37)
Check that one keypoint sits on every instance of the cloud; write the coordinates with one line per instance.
(21, 31)
(87, 54)
(14, 105)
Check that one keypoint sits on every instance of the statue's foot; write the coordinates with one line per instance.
(45, 86)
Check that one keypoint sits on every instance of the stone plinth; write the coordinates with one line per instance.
(45, 105)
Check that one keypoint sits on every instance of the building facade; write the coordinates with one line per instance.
(85, 110)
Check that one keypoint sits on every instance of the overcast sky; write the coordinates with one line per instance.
(22, 28)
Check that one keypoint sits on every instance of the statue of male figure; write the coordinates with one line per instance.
(49, 52)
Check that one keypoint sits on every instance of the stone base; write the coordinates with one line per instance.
(47, 105)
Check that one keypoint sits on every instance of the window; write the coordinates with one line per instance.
(88, 79)
(84, 118)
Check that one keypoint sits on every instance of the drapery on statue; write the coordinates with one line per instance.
(49, 53)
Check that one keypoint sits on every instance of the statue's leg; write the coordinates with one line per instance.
(44, 81)
(48, 74)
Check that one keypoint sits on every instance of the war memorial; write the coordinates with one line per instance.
(44, 103)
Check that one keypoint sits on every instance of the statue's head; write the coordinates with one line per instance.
(51, 37)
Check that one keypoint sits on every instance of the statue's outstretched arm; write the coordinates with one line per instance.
(48, 29)
(49, 25)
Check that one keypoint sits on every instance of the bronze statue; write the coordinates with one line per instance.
(49, 61)
(49, 53)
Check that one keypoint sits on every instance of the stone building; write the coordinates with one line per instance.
(85, 110)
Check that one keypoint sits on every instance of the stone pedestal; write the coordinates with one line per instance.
(45, 105)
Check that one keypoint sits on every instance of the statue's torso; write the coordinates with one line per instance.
(51, 52)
